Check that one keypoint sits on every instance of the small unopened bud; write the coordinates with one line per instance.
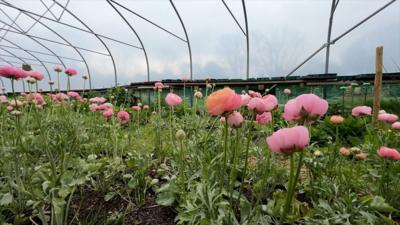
(180, 135)
(318, 153)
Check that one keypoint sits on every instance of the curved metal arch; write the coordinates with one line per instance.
(69, 43)
(104, 44)
(34, 56)
(247, 40)
(187, 38)
(38, 42)
(137, 36)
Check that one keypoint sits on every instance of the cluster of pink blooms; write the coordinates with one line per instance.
(36, 98)
(353, 151)
(382, 116)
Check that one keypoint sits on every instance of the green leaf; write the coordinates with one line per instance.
(379, 203)
(166, 199)
(6, 199)
(109, 196)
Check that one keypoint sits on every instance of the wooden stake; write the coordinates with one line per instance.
(378, 82)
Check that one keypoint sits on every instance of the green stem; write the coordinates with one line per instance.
(232, 177)
(249, 138)
(58, 81)
(292, 186)
(181, 162)
(225, 150)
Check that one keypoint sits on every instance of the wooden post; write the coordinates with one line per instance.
(378, 82)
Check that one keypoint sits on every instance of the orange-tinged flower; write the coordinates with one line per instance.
(221, 101)
(336, 119)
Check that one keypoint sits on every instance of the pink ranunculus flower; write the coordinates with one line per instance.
(235, 119)
(257, 105)
(287, 91)
(108, 113)
(222, 101)
(272, 102)
(388, 153)
(361, 155)
(288, 140)
(71, 72)
(264, 118)
(12, 72)
(36, 98)
(158, 85)
(98, 100)
(387, 117)
(36, 75)
(305, 106)
(255, 94)
(336, 119)
(61, 97)
(102, 107)
(173, 100)
(93, 107)
(361, 111)
(136, 108)
(396, 125)
(123, 117)
(344, 151)
(3, 99)
(73, 94)
(245, 99)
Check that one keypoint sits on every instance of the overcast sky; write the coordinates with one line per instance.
(282, 34)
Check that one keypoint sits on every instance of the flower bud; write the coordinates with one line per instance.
(180, 135)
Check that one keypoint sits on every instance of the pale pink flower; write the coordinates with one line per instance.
(93, 107)
(361, 155)
(61, 97)
(173, 100)
(222, 119)
(287, 140)
(387, 117)
(396, 125)
(389, 153)
(36, 98)
(245, 99)
(361, 111)
(305, 106)
(58, 69)
(73, 94)
(136, 108)
(98, 100)
(3, 99)
(123, 117)
(260, 105)
(158, 85)
(185, 78)
(264, 118)
(10, 108)
(36, 75)
(344, 151)
(23, 94)
(255, 94)
(146, 107)
(235, 119)
(198, 94)
(287, 91)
